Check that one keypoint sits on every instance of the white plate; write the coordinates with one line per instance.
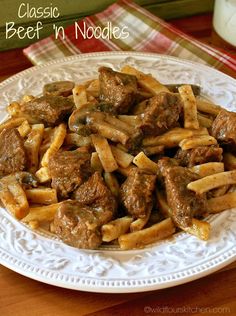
(42, 257)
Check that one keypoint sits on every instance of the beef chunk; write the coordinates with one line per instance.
(136, 192)
(224, 128)
(161, 113)
(12, 152)
(185, 204)
(59, 88)
(68, 170)
(199, 155)
(48, 109)
(117, 89)
(77, 225)
(95, 193)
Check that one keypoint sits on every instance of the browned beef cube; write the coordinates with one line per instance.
(96, 194)
(136, 192)
(162, 112)
(12, 152)
(77, 225)
(185, 204)
(117, 89)
(224, 128)
(199, 155)
(69, 169)
(48, 109)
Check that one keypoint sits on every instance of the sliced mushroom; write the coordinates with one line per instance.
(12, 192)
(59, 88)
(26, 179)
(77, 120)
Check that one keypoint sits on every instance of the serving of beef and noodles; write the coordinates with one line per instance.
(119, 159)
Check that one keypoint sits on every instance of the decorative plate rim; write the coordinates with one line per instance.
(112, 285)
(111, 53)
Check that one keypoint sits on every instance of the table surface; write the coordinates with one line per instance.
(214, 294)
